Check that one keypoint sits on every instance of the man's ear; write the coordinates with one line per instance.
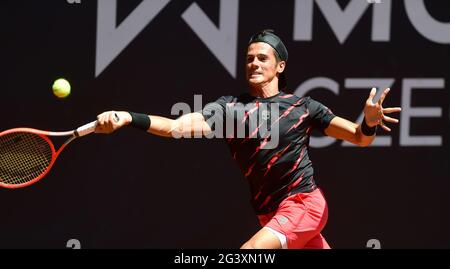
(281, 66)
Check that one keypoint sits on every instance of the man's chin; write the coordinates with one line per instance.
(254, 82)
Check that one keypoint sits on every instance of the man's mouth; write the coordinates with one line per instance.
(255, 74)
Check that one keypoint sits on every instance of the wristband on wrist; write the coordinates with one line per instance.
(140, 121)
(366, 130)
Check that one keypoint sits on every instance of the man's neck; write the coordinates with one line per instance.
(264, 91)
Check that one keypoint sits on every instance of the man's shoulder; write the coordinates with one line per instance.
(225, 99)
(293, 99)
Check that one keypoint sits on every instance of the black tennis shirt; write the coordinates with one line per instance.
(276, 172)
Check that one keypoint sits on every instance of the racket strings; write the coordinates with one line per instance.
(23, 157)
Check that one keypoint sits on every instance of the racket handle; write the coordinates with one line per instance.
(90, 127)
(86, 129)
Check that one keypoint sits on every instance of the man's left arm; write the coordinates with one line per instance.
(363, 134)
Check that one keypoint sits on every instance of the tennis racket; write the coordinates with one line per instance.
(27, 155)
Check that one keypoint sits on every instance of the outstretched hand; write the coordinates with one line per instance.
(375, 113)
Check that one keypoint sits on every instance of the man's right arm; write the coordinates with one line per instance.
(184, 126)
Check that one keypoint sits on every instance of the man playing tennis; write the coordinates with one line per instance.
(290, 207)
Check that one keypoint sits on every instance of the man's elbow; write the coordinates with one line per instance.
(177, 129)
(185, 129)
(364, 142)
(363, 145)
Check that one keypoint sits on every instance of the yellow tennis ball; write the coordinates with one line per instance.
(61, 88)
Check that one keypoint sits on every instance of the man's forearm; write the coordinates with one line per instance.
(161, 126)
(188, 125)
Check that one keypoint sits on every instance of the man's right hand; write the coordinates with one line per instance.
(109, 121)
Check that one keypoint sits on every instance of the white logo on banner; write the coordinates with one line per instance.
(343, 21)
(408, 111)
(111, 40)
(222, 41)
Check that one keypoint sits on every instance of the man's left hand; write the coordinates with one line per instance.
(375, 113)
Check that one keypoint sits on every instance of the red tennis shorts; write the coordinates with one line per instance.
(300, 217)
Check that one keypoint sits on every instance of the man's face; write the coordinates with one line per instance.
(262, 66)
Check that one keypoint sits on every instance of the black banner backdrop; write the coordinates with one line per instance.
(133, 190)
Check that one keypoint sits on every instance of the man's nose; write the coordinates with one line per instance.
(254, 63)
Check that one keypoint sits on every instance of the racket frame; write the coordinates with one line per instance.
(81, 131)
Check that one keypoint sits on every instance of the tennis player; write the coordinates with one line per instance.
(291, 208)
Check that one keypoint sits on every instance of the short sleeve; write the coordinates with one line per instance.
(320, 114)
(215, 112)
